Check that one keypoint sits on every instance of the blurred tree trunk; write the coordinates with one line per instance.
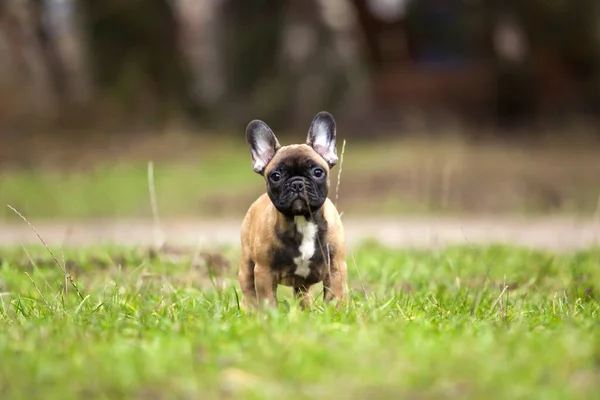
(287, 60)
(251, 44)
(201, 28)
(64, 26)
(30, 83)
(322, 60)
(138, 68)
(515, 84)
(49, 52)
(565, 56)
(48, 48)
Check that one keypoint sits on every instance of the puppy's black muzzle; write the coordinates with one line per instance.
(296, 185)
(297, 195)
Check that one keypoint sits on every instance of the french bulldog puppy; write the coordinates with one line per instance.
(292, 235)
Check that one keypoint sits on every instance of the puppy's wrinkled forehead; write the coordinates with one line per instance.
(296, 156)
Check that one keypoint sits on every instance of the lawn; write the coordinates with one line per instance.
(488, 322)
(198, 179)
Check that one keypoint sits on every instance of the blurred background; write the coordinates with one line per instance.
(447, 106)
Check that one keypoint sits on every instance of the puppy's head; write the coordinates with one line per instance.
(297, 176)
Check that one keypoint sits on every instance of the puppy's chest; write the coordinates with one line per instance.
(302, 252)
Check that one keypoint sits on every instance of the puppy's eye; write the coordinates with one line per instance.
(275, 176)
(318, 173)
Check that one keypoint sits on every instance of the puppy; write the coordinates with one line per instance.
(292, 235)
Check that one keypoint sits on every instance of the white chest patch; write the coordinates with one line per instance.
(308, 230)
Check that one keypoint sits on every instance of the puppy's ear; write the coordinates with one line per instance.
(321, 137)
(263, 144)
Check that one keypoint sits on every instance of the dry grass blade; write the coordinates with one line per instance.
(159, 236)
(35, 265)
(2, 294)
(37, 289)
(499, 299)
(195, 261)
(339, 176)
(64, 263)
(62, 267)
(597, 218)
(328, 266)
(326, 256)
(359, 276)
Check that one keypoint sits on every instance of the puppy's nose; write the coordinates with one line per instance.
(297, 186)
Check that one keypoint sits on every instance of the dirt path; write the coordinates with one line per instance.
(555, 233)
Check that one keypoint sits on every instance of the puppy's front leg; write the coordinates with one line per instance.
(334, 284)
(265, 285)
(302, 293)
(246, 280)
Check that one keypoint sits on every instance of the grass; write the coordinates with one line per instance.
(487, 322)
(196, 179)
(121, 188)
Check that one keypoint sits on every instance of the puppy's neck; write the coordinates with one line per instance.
(313, 217)
(302, 223)
(298, 222)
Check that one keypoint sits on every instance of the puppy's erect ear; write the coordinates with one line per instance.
(263, 144)
(321, 137)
